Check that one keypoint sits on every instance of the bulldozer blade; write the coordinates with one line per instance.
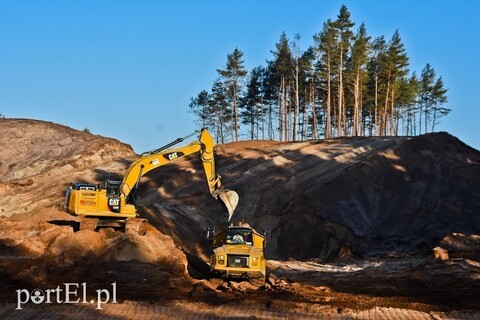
(229, 199)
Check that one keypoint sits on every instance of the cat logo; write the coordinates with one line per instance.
(113, 201)
(114, 204)
(173, 155)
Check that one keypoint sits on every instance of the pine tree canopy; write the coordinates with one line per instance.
(345, 83)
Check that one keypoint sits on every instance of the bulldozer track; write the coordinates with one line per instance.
(144, 311)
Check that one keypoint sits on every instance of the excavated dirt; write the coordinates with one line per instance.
(39, 159)
(356, 228)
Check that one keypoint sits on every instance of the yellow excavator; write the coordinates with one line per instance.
(112, 203)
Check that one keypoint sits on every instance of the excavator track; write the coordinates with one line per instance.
(87, 223)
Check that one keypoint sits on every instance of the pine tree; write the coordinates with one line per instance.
(307, 87)
(282, 67)
(232, 75)
(270, 96)
(427, 82)
(358, 62)
(343, 85)
(376, 63)
(407, 97)
(396, 68)
(296, 54)
(432, 97)
(439, 96)
(221, 110)
(325, 44)
(252, 103)
(343, 25)
(200, 108)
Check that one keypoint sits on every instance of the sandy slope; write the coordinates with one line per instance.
(368, 195)
(351, 224)
(39, 159)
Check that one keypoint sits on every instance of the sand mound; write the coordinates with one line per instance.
(38, 147)
(458, 245)
(332, 199)
(51, 252)
(352, 201)
(36, 234)
(39, 159)
(365, 196)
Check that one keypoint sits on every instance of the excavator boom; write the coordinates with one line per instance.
(159, 157)
(115, 200)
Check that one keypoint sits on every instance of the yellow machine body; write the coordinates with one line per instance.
(96, 203)
(114, 200)
(238, 257)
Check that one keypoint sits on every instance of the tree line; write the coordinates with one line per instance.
(344, 84)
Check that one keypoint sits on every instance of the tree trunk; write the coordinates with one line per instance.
(297, 102)
(393, 130)
(252, 124)
(385, 111)
(356, 93)
(314, 113)
(340, 94)
(377, 119)
(271, 132)
(262, 111)
(426, 115)
(286, 114)
(281, 109)
(328, 117)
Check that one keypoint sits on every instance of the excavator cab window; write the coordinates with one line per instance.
(82, 186)
(113, 187)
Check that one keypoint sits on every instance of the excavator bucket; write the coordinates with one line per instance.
(230, 201)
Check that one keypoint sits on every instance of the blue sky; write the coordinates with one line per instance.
(127, 69)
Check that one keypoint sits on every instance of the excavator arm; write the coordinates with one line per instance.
(162, 156)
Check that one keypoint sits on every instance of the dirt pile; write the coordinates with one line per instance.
(52, 252)
(364, 196)
(375, 206)
(458, 245)
(38, 159)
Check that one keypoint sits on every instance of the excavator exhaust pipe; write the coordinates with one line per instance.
(229, 199)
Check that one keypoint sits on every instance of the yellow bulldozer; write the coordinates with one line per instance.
(112, 203)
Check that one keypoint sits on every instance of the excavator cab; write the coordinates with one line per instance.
(113, 187)
(82, 186)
